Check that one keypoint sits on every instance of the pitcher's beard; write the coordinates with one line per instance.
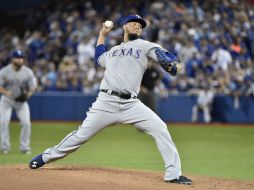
(17, 67)
(132, 37)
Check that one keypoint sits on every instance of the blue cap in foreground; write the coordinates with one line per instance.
(135, 18)
(17, 54)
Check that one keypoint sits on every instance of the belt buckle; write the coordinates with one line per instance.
(109, 92)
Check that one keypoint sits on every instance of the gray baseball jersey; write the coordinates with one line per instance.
(124, 66)
(126, 76)
(14, 81)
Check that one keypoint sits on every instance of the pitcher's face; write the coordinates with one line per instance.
(133, 28)
(18, 62)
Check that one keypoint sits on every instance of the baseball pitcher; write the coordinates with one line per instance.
(117, 101)
(17, 84)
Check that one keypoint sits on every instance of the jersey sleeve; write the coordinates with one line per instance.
(1, 78)
(99, 50)
(32, 83)
(102, 59)
(151, 51)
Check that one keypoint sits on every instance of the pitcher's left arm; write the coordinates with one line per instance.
(169, 62)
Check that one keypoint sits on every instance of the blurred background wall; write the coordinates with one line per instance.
(175, 108)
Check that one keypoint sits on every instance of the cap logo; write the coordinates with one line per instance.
(19, 52)
(138, 16)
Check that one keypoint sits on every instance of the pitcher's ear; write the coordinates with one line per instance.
(124, 27)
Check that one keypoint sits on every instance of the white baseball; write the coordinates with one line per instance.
(108, 24)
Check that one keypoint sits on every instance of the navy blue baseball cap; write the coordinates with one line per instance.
(135, 18)
(18, 54)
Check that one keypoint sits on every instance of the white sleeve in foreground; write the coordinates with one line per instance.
(102, 59)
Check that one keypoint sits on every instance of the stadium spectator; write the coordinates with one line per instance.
(211, 37)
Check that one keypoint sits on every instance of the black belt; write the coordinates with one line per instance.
(120, 95)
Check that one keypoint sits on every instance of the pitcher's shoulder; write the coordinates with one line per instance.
(143, 41)
(147, 44)
(27, 69)
(116, 47)
(6, 68)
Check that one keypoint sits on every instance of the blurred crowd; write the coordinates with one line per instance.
(214, 40)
